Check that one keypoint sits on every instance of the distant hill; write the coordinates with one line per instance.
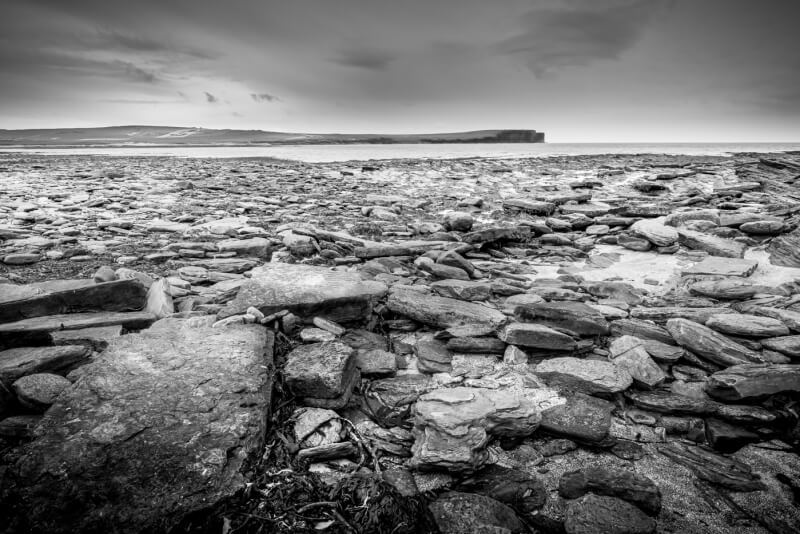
(171, 136)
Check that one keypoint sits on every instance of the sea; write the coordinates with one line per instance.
(364, 152)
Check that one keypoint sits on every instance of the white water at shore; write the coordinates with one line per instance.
(335, 153)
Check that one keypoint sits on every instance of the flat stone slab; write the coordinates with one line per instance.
(158, 427)
(459, 317)
(39, 328)
(307, 291)
(714, 265)
(117, 296)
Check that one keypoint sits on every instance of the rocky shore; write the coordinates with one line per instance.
(598, 344)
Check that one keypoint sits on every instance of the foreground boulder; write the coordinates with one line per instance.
(157, 428)
(307, 291)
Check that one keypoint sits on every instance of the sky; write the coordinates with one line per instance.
(579, 70)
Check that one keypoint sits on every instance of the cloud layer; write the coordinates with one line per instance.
(581, 70)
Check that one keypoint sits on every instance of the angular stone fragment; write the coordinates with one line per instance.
(306, 291)
(463, 289)
(16, 363)
(433, 356)
(623, 484)
(722, 267)
(320, 370)
(575, 317)
(390, 400)
(589, 376)
(452, 426)
(536, 336)
(662, 352)
(642, 329)
(752, 381)
(476, 345)
(655, 232)
(376, 362)
(592, 514)
(629, 353)
(490, 235)
(784, 250)
(727, 438)
(116, 296)
(715, 246)
(257, 247)
(727, 289)
(614, 290)
(709, 344)
(182, 408)
(459, 317)
(670, 403)
(747, 325)
(529, 206)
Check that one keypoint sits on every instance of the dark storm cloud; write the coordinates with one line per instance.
(211, 99)
(264, 97)
(364, 59)
(578, 33)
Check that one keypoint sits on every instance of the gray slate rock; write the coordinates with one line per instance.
(459, 317)
(182, 409)
(752, 381)
(709, 344)
(306, 291)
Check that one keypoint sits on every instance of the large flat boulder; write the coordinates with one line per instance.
(307, 291)
(84, 296)
(460, 317)
(158, 427)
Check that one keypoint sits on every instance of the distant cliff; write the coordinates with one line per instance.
(172, 136)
